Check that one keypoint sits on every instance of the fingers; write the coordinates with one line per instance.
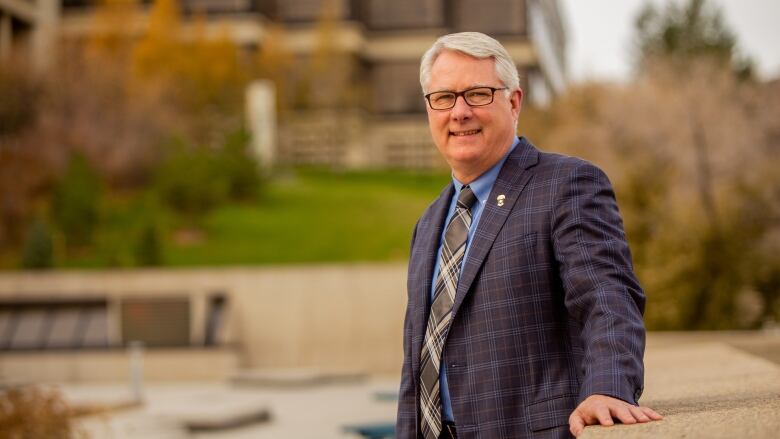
(598, 409)
(576, 424)
(626, 414)
(632, 414)
(604, 416)
(638, 414)
(652, 414)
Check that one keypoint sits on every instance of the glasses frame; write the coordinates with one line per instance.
(462, 93)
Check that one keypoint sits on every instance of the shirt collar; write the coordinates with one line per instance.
(484, 183)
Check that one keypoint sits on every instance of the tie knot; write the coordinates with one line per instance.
(466, 198)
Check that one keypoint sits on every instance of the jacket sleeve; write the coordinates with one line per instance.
(602, 293)
(406, 420)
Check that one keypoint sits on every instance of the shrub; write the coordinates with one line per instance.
(33, 412)
(148, 251)
(239, 168)
(188, 179)
(75, 202)
(38, 248)
(194, 179)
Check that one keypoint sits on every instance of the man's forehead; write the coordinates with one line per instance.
(455, 69)
(436, 87)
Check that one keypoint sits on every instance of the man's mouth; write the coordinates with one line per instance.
(465, 133)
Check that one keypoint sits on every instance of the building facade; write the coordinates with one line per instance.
(370, 113)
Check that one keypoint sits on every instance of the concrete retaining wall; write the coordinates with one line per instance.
(346, 317)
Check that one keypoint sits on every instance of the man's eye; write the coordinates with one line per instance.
(443, 98)
(479, 93)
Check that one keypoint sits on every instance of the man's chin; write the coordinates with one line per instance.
(469, 145)
(465, 161)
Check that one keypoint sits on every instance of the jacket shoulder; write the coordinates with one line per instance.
(565, 162)
(559, 168)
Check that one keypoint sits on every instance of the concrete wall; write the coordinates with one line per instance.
(345, 317)
(114, 366)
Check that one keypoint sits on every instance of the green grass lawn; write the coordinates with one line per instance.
(302, 216)
(316, 216)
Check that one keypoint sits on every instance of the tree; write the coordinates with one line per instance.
(112, 29)
(275, 62)
(25, 165)
(328, 78)
(20, 94)
(681, 33)
(704, 241)
(689, 57)
(200, 71)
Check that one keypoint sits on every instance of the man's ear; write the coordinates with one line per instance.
(517, 101)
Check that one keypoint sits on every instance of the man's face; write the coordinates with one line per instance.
(471, 139)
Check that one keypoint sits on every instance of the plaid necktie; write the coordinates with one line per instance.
(452, 250)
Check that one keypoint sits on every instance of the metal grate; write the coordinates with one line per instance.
(157, 322)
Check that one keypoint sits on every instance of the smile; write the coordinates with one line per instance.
(465, 133)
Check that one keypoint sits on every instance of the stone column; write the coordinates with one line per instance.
(45, 32)
(198, 306)
(261, 119)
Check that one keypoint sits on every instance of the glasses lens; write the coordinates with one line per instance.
(442, 100)
(479, 96)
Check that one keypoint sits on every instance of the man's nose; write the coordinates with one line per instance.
(461, 110)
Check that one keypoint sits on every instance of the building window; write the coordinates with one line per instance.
(404, 14)
(157, 322)
(310, 10)
(396, 88)
(493, 17)
(43, 325)
(218, 6)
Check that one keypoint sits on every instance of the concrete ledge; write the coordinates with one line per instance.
(706, 389)
(114, 365)
(294, 377)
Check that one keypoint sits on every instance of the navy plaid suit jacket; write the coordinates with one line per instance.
(548, 310)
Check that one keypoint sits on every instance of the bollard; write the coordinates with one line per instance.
(136, 351)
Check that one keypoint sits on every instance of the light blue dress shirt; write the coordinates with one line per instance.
(481, 188)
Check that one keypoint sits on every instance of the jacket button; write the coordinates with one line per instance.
(637, 394)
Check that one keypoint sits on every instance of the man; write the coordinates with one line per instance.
(524, 316)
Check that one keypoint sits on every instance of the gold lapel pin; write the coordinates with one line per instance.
(500, 200)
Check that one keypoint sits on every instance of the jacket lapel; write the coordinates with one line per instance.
(510, 182)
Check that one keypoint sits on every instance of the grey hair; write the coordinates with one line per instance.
(477, 45)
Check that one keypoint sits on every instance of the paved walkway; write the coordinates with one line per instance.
(313, 412)
(706, 386)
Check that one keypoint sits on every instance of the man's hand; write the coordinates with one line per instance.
(600, 409)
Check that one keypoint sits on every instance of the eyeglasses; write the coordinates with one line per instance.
(475, 97)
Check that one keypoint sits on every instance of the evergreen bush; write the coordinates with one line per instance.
(38, 252)
(76, 202)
